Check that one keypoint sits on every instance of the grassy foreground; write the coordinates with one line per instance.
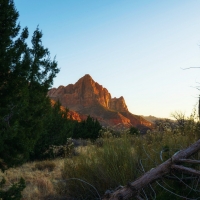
(111, 162)
(119, 161)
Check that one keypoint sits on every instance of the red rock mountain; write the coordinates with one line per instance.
(87, 97)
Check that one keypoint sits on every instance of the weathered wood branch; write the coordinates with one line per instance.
(190, 161)
(133, 188)
(186, 170)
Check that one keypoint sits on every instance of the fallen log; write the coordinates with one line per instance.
(132, 189)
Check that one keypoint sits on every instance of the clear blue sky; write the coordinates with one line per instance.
(134, 48)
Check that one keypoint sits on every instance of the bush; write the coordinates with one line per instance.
(87, 129)
(61, 151)
(134, 131)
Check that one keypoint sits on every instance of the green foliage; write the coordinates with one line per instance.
(87, 129)
(134, 131)
(54, 140)
(26, 74)
(14, 192)
(63, 151)
(56, 132)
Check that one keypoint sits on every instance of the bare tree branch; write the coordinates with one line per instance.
(190, 161)
(186, 170)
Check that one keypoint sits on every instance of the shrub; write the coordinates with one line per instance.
(87, 129)
(62, 151)
(134, 131)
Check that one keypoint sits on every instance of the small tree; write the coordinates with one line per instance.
(57, 131)
(134, 131)
(87, 129)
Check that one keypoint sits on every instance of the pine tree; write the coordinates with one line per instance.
(26, 74)
(57, 131)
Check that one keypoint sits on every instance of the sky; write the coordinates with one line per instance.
(138, 49)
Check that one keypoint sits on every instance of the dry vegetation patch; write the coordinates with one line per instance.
(105, 165)
(40, 177)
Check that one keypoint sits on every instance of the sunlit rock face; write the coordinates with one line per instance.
(71, 114)
(85, 92)
(118, 104)
(88, 97)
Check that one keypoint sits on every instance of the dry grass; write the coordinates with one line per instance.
(97, 169)
(46, 164)
(40, 177)
(120, 160)
(107, 164)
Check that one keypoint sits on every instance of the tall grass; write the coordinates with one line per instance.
(111, 162)
(104, 167)
(123, 159)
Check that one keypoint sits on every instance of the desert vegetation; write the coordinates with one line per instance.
(46, 155)
(100, 167)
(124, 158)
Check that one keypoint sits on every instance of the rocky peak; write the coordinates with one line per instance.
(86, 92)
(88, 97)
(90, 92)
(87, 77)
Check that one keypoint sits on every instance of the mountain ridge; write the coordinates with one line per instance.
(88, 97)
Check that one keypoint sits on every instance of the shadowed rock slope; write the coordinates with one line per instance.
(87, 97)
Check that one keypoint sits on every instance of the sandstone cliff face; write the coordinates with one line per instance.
(118, 104)
(86, 92)
(87, 97)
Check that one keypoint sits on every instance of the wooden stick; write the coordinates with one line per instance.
(190, 161)
(186, 170)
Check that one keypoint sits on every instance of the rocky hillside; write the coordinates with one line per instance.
(87, 97)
